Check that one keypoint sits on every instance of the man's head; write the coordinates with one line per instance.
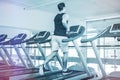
(61, 6)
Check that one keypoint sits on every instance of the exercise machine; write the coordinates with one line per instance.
(110, 31)
(15, 70)
(38, 39)
(3, 61)
(75, 74)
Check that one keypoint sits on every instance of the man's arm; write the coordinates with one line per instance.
(65, 19)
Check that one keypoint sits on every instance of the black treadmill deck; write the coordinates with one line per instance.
(58, 75)
(15, 72)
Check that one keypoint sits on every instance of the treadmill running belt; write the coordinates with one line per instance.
(56, 76)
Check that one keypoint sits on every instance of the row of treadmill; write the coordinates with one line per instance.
(28, 71)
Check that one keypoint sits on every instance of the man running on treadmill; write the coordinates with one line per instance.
(60, 32)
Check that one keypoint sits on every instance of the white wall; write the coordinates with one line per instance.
(16, 16)
(99, 25)
(34, 20)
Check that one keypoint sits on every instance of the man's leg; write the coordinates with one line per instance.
(65, 69)
(50, 57)
(64, 48)
(60, 60)
(65, 56)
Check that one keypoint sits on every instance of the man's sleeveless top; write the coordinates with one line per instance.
(60, 30)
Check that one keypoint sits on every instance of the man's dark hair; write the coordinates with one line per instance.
(61, 6)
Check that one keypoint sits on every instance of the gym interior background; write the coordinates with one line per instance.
(32, 16)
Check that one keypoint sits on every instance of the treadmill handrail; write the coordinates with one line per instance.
(40, 42)
(42, 38)
(18, 39)
(2, 37)
(30, 39)
(95, 37)
(82, 30)
(38, 39)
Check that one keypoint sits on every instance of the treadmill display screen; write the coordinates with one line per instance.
(115, 28)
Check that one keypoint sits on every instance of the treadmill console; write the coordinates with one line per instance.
(75, 29)
(115, 28)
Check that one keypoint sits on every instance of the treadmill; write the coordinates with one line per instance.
(75, 74)
(3, 61)
(38, 39)
(2, 37)
(110, 31)
(9, 71)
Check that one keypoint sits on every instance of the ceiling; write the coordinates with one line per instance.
(79, 8)
(88, 10)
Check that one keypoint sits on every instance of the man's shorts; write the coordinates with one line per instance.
(57, 43)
